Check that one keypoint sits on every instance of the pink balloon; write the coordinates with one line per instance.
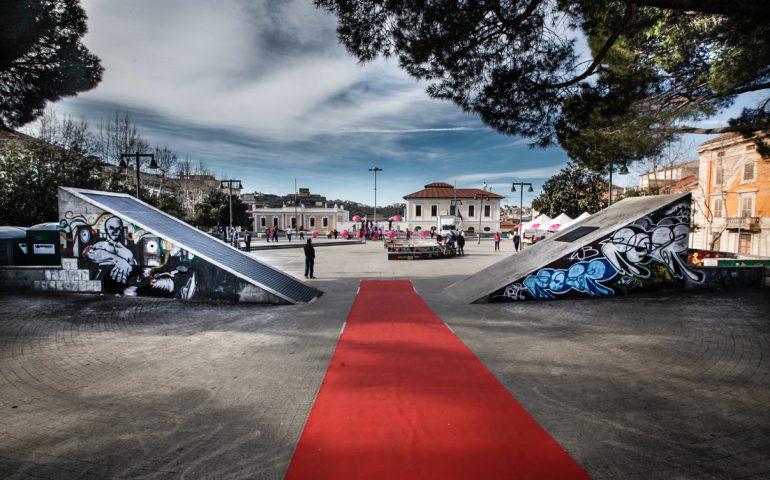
(358, 234)
(396, 218)
(315, 234)
(391, 234)
(423, 233)
(356, 218)
(345, 234)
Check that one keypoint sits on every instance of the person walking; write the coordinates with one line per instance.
(516, 241)
(335, 232)
(234, 239)
(248, 241)
(497, 241)
(309, 258)
(461, 244)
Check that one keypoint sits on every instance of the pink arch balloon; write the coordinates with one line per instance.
(345, 234)
(315, 233)
(391, 234)
(396, 218)
(356, 218)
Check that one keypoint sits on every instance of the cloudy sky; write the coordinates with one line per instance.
(261, 91)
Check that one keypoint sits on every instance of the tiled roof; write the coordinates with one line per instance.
(687, 184)
(730, 135)
(450, 192)
(724, 136)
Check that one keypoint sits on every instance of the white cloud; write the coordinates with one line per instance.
(543, 172)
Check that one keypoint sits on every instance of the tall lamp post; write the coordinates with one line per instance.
(138, 159)
(229, 184)
(521, 198)
(623, 171)
(375, 169)
(480, 197)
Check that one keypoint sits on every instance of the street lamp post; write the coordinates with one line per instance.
(138, 159)
(229, 184)
(521, 200)
(375, 169)
(480, 197)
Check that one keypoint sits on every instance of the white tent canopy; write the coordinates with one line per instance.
(580, 218)
(555, 224)
(539, 221)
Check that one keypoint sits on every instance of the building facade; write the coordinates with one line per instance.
(304, 217)
(478, 209)
(732, 201)
(665, 180)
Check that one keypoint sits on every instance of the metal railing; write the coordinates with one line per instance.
(750, 224)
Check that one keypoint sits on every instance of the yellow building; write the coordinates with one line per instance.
(732, 201)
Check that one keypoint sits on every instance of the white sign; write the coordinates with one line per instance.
(43, 249)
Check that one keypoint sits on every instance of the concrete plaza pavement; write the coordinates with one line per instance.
(660, 385)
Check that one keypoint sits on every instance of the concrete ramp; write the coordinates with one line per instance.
(136, 249)
(637, 243)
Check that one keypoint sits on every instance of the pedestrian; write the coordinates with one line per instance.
(275, 234)
(248, 241)
(408, 234)
(516, 241)
(301, 233)
(309, 258)
(497, 241)
(335, 233)
(289, 231)
(234, 239)
(461, 244)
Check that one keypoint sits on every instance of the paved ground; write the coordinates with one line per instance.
(667, 385)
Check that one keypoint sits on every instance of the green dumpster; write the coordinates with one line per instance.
(13, 246)
(43, 244)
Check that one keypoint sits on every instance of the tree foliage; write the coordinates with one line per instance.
(655, 65)
(30, 174)
(573, 190)
(41, 57)
(215, 210)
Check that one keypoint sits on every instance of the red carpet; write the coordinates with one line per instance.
(404, 398)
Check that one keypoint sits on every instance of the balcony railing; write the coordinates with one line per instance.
(750, 224)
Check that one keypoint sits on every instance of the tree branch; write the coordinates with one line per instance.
(719, 7)
(630, 9)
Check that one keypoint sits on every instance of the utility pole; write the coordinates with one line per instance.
(375, 169)
(138, 160)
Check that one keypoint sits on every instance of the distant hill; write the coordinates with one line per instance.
(356, 208)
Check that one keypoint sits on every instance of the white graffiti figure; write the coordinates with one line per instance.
(631, 248)
(111, 252)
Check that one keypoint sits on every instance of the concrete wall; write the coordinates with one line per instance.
(67, 278)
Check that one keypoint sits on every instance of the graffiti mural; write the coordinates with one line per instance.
(647, 253)
(129, 260)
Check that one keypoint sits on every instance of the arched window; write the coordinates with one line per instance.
(326, 222)
(263, 222)
(312, 222)
(275, 221)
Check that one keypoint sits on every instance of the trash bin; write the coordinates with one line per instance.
(43, 244)
(13, 246)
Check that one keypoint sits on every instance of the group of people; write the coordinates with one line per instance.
(235, 239)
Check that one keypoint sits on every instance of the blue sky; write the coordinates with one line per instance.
(261, 91)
